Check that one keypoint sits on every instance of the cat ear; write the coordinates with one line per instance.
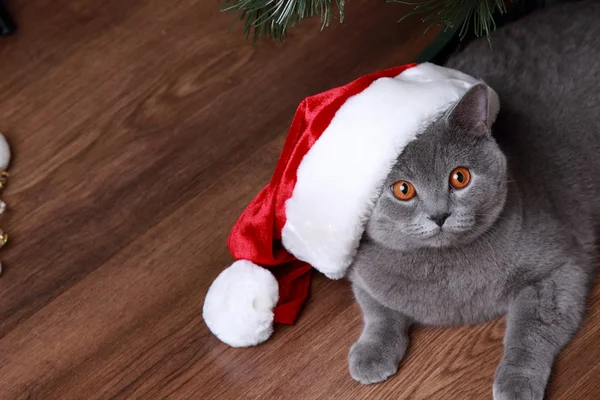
(476, 111)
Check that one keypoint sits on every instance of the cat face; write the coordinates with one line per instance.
(448, 186)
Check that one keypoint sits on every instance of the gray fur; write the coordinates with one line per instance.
(520, 239)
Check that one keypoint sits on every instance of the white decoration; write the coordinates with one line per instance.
(341, 176)
(238, 307)
(4, 153)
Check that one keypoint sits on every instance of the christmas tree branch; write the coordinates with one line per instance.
(272, 18)
(464, 13)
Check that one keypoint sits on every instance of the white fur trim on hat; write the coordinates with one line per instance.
(238, 307)
(340, 177)
(4, 153)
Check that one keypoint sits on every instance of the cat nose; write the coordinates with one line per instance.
(439, 219)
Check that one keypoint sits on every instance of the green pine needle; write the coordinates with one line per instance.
(477, 14)
(273, 18)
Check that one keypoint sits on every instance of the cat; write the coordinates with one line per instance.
(477, 221)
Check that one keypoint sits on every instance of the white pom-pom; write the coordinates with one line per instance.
(4, 153)
(238, 307)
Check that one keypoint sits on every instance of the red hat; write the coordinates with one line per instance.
(340, 148)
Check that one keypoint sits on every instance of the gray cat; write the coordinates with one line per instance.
(473, 224)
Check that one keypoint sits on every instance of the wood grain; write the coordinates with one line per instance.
(140, 131)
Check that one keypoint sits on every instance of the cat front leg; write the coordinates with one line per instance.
(541, 320)
(382, 344)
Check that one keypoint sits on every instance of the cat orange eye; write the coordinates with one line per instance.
(460, 178)
(403, 190)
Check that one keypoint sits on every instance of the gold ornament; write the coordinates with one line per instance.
(3, 179)
(3, 239)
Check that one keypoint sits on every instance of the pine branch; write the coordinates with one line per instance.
(478, 14)
(272, 18)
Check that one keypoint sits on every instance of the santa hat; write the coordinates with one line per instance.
(340, 148)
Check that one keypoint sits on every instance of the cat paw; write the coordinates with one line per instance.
(370, 363)
(517, 388)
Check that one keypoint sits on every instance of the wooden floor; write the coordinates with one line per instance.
(140, 131)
